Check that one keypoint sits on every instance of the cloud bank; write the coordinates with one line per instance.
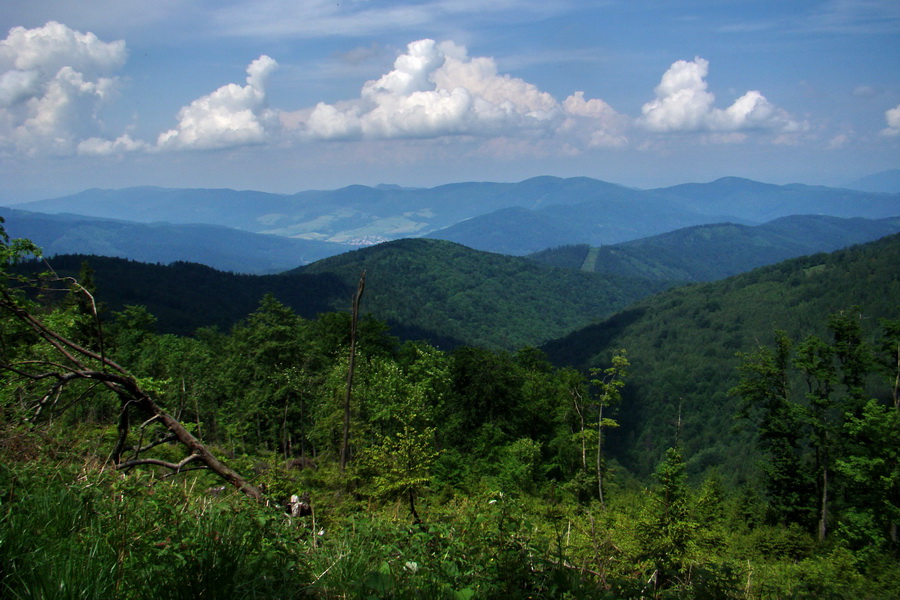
(54, 81)
(436, 89)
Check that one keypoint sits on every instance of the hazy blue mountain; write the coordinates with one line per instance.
(760, 202)
(352, 213)
(550, 210)
(625, 216)
(516, 231)
(608, 220)
(887, 182)
(220, 247)
(710, 252)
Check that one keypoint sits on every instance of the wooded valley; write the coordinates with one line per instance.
(548, 433)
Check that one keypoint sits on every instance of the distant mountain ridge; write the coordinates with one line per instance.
(887, 182)
(556, 211)
(710, 252)
(222, 248)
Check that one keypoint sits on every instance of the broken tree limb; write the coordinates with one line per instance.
(85, 364)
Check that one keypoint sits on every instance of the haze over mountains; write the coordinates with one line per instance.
(223, 248)
(509, 218)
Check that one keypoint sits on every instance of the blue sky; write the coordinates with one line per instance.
(283, 96)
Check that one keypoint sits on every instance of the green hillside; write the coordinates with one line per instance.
(425, 289)
(710, 252)
(294, 457)
(683, 343)
(186, 296)
(480, 298)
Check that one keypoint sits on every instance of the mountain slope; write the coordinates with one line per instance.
(759, 202)
(186, 296)
(596, 221)
(480, 298)
(219, 247)
(887, 182)
(710, 252)
(682, 344)
(425, 289)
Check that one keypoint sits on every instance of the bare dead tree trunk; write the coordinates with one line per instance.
(354, 319)
(576, 398)
(823, 514)
(600, 456)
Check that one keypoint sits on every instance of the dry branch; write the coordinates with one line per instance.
(82, 366)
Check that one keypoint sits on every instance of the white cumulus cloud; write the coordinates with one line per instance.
(96, 146)
(683, 103)
(233, 115)
(436, 89)
(53, 82)
(893, 122)
(594, 121)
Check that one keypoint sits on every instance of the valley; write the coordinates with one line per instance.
(628, 391)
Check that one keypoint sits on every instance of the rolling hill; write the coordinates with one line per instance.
(480, 298)
(710, 252)
(425, 289)
(683, 342)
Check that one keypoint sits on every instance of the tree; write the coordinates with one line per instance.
(765, 395)
(399, 465)
(354, 321)
(668, 537)
(815, 359)
(834, 446)
(608, 384)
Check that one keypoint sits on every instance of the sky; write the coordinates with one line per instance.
(283, 95)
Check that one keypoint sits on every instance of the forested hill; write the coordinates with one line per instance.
(425, 289)
(682, 344)
(186, 296)
(481, 298)
(710, 252)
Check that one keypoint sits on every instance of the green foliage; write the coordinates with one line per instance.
(489, 450)
(682, 345)
(476, 298)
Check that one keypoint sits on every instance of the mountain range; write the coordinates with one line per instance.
(217, 246)
(684, 343)
(511, 218)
